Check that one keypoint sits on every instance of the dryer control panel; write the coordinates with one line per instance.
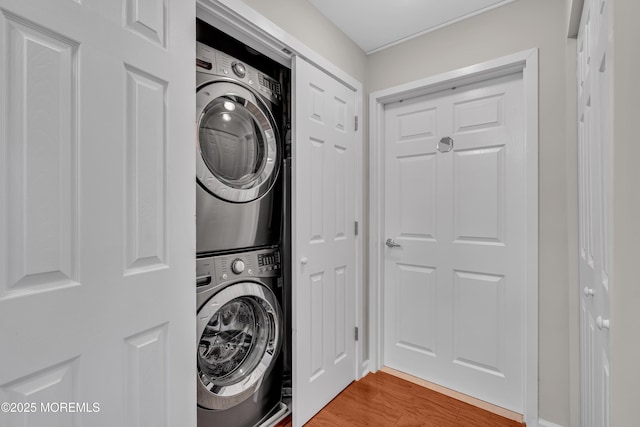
(219, 269)
(211, 61)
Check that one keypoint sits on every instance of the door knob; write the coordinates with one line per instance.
(392, 244)
(602, 323)
(588, 292)
(445, 145)
(304, 260)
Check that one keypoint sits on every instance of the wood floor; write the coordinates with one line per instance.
(384, 400)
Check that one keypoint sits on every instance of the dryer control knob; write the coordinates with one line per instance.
(239, 69)
(237, 266)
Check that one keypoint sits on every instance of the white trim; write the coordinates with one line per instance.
(544, 423)
(530, 79)
(359, 273)
(364, 369)
(527, 62)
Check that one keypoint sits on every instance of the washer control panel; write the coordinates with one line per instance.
(269, 262)
(222, 268)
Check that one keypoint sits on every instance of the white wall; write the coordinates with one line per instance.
(625, 281)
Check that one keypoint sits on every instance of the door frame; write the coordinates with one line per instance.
(527, 63)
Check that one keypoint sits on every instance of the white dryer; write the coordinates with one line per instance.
(239, 155)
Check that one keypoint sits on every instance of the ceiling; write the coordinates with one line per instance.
(376, 24)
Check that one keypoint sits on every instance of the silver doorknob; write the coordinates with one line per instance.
(445, 145)
(588, 292)
(602, 323)
(304, 260)
(392, 243)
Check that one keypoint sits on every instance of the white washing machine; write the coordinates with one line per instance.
(239, 155)
(240, 335)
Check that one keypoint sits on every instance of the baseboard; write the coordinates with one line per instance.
(364, 369)
(545, 423)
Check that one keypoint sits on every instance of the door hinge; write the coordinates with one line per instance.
(356, 228)
(356, 334)
(356, 122)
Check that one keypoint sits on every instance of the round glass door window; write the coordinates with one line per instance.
(238, 152)
(239, 334)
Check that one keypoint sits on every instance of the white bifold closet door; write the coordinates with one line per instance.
(594, 183)
(324, 198)
(97, 196)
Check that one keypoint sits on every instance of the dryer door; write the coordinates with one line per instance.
(239, 335)
(238, 154)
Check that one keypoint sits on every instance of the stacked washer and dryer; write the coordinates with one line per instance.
(240, 219)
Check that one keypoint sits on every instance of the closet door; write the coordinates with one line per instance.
(97, 199)
(324, 197)
(594, 139)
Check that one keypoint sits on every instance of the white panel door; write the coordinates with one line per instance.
(97, 230)
(594, 171)
(455, 217)
(324, 239)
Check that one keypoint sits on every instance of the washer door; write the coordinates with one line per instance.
(238, 154)
(239, 335)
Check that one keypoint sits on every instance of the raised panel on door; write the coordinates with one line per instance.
(145, 179)
(413, 304)
(324, 239)
(44, 389)
(97, 207)
(419, 168)
(479, 343)
(457, 212)
(41, 147)
(479, 195)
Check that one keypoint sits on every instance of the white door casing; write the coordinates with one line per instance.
(97, 209)
(594, 171)
(454, 288)
(460, 246)
(324, 245)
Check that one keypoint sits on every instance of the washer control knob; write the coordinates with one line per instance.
(237, 266)
(239, 69)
